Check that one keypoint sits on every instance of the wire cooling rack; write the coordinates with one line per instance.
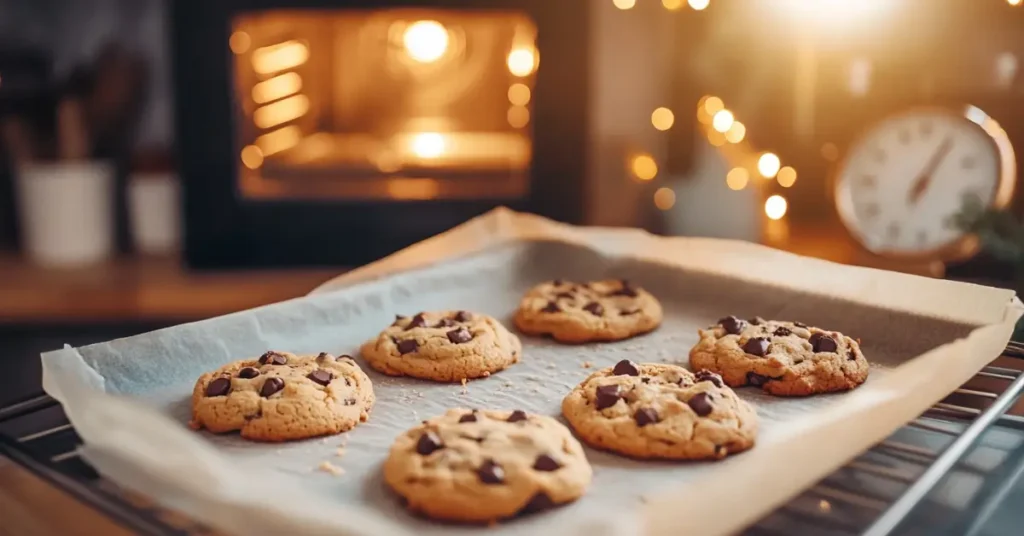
(957, 469)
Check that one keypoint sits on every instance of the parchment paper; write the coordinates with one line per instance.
(129, 398)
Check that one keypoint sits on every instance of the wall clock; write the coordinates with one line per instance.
(905, 178)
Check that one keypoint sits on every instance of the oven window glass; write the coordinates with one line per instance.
(390, 104)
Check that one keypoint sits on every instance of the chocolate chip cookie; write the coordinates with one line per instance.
(660, 411)
(607, 310)
(282, 396)
(783, 358)
(443, 346)
(480, 466)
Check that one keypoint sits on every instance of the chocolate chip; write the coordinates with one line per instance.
(546, 463)
(645, 416)
(782, 332)
(823, 343)
(271, 386)
(800, 324)
(248, 373)
(273, 358)
(471, 438)
(398, 320)
(469, 417)
(540, 501)
(628, 312)
(732, 325)
(594, 308)
(350, 401)
(625, 368)
(756, 346)
(564, 296)
(756, 379)
(218, 387)
(490, 472)
(324, 357)
(460, 335)
(757, 321)
(625, 290)
(428, 442)
(700, 404)
(407, 346)
(463, 316)
(607, 396)
(708, 376)
(517, 415)
(445, 323)
(645, 380)
(418, 321)
(850, 355)
(321, 376)
(551, 307)
(558, 282)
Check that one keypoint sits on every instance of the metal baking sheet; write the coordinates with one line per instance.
(129, 398)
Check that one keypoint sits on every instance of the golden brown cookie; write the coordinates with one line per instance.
(444, 346)
(660, 411)
(607, 310)
(282, 396)
(481, 466)
(783, 358)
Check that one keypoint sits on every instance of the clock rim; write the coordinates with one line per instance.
(967, 245)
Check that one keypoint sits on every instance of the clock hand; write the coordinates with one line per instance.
(925, 177)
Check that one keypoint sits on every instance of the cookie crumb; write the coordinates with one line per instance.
(329, 467)
(487, 373)
(340, 452)
(463, 382)
(586, 364)
(552, 365)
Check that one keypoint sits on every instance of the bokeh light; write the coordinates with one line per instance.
(722, 121)
(644, 167)
(662, 118)
(786, 177)
(698, 5)
(775, 207)
(425, 41)
(737, 178)
(768, 165)
(624, 4)
(664, 198)
(736, 132)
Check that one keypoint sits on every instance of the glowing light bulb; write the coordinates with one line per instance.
(775, 207)
(644, 167)
(768, 165)
(722, 121)
(522, 61)
(1013, 2)
(624, 4)
(698, 5)
(425, 41)
(664, 198)
(786, 177)
(662, 118)
(736, 132)
(737, 178)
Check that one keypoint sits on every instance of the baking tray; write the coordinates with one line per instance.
(249, 488)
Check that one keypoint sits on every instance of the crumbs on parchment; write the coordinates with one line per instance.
(330, 468)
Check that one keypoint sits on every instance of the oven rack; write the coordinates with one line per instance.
(950, 471)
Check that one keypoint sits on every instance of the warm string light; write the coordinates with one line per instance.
(664, 198)
(624, 4)
(698, 5)
(662, 118)
(1014, 2)
(768, 165)
(775, 207)
(644, 167)
(672, 5)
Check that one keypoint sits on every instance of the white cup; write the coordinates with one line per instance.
(153, 211)
(66, 210)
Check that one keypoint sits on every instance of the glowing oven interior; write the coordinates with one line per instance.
(388, 104)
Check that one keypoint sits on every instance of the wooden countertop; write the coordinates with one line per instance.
(141, 289)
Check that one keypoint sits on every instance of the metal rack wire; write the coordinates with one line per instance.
(951, 471)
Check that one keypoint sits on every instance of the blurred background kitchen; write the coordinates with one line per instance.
(163, 162)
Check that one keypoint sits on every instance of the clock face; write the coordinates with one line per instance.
(903, 182)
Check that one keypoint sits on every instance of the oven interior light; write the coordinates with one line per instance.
(281, 111)
(425, 41)
(428, 145)
(274, 58)
(277, 87)
(522, 61)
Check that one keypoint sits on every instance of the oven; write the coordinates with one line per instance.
(329, 132)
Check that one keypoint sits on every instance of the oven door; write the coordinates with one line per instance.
(336, 132)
